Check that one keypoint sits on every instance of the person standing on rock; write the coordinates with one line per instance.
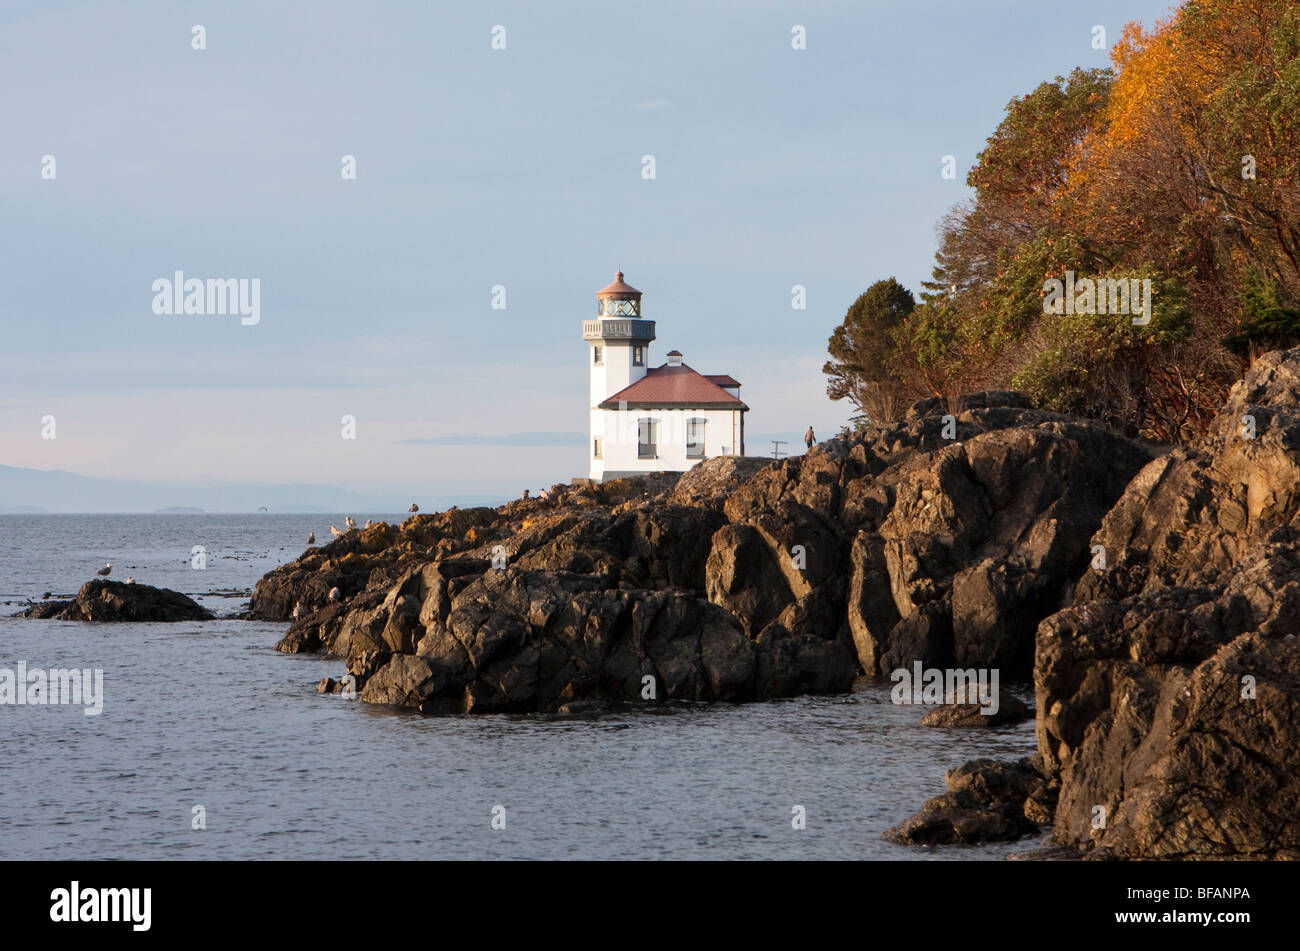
(809, 439)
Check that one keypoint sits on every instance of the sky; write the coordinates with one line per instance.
(476, 168)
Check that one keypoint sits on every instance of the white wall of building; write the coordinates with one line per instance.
(615, 371)
(619, 432)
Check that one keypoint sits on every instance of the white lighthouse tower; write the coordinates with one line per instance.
(668, 418)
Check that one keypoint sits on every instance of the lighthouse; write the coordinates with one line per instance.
(645, 418)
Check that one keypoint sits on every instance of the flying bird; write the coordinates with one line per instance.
(413, 508)
(103, 572)
(311, 538)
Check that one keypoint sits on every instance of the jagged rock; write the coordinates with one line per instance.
(1169, 692)
(868, 552)
(1010, 710)
(1162, 746)
(708, 484)
(524, 641)
(46, 610)
(986, 801)
(980, 538)
(116, 601)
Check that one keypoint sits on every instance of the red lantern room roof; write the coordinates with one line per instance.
(618, 289)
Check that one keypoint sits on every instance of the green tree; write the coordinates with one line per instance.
(864, 349)
(1266, 323)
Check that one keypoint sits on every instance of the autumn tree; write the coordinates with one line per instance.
(1180, 166)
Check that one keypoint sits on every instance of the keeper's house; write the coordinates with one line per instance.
(651, 419)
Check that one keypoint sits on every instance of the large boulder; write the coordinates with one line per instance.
(116, 601)
(520, 641)
(986, 801)
(976, 530)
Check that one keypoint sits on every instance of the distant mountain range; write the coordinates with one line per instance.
(34, 491)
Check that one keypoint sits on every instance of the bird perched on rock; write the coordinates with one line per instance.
(525, 495)
(130, 580)
(104, 572)
(334, 594)
(545, 493)
(413, 508)
(311, 538)
(335, 532)
(350, 522)
(297, 610)
(368, 523)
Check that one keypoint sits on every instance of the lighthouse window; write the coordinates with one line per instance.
(646, 447)
(695, 438)
(638, 356)
(619, 308)
(598, 449)
(595, 356)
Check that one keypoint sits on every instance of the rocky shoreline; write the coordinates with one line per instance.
(1151, 597)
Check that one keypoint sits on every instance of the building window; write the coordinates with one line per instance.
(646, 430)
(638, 356)
(595, 356)
(598, 449)
(695, 438)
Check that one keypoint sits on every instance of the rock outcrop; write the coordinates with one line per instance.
(1169, 691)
(986, 801)
(1010, 710)
(117, 601)
(1153, 598)
(943, 539)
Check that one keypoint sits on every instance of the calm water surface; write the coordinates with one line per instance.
(208, 714)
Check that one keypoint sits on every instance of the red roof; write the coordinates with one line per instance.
(721, 379)
(675, 386)
(619, 288)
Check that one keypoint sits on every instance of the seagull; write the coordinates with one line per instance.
(335, 532)
(545, 493)
(311, 538)
(103, 572)
(297, 610)
(130, 580)
(350, 522)
(368, 523)
(413, 508)
(334, 594)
